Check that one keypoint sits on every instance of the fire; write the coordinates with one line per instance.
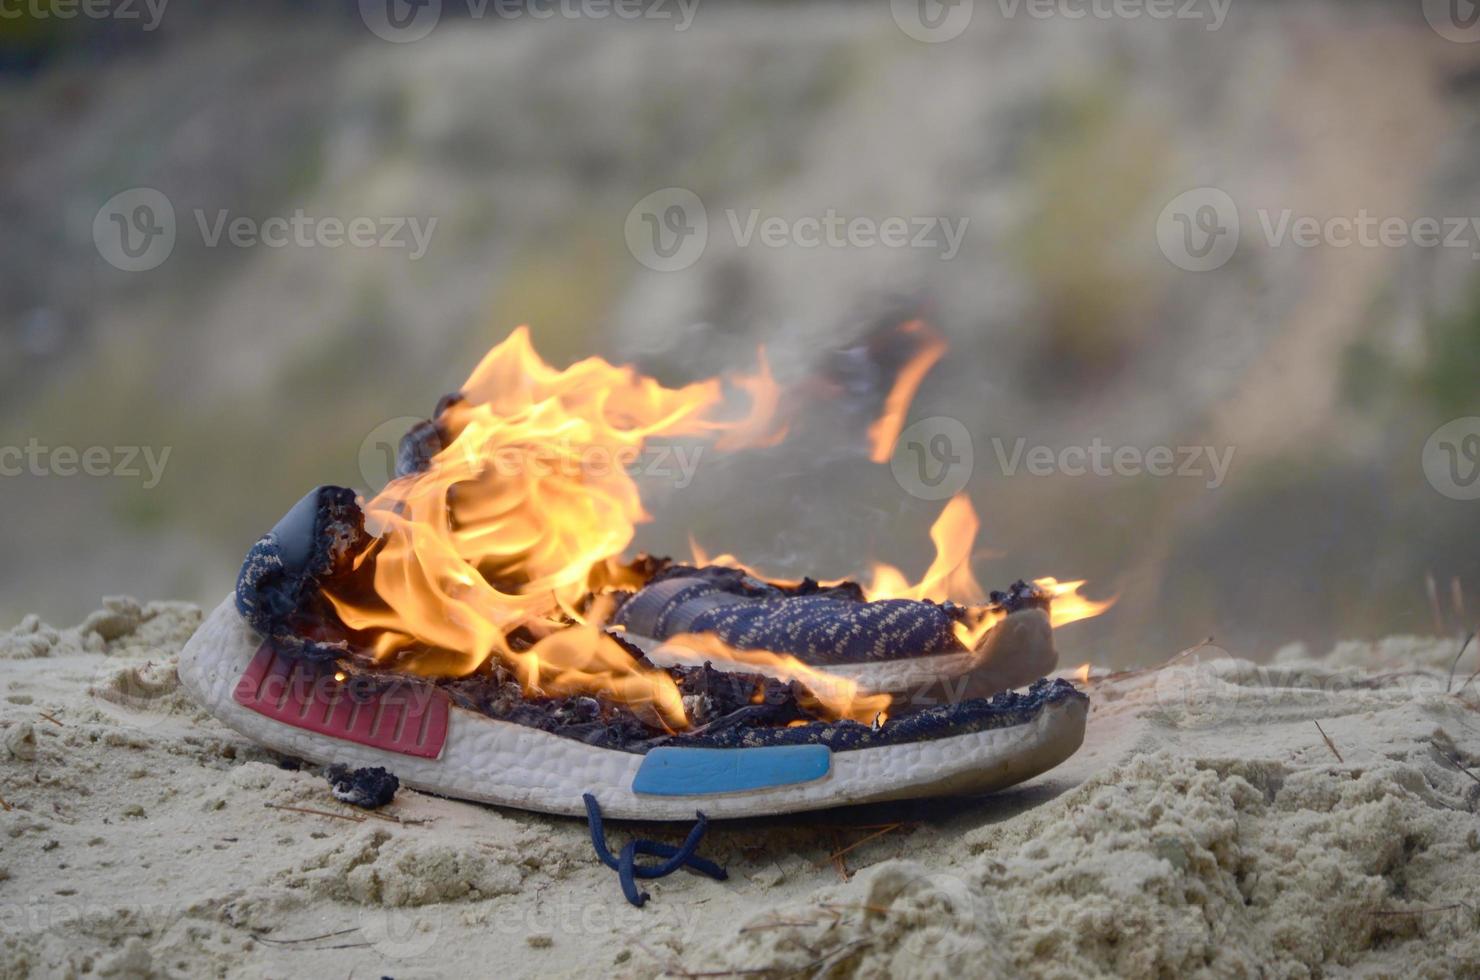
(1068, 605)
(525, 514)
(508, 545)
(828, 692)
(949, 575)
(885, 430)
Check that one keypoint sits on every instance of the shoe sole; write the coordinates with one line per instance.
(451, 751)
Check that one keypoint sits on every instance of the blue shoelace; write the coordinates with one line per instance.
(626, 866)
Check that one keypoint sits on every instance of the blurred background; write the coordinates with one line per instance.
(1146, 260)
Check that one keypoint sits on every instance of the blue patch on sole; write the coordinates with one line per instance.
(673, 771)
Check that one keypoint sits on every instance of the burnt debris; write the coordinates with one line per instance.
(745, 711)
(278, 591)
(940, 721)
(425, 439)
(1021, 595)
(369, 789)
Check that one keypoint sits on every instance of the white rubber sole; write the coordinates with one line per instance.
(499, 762)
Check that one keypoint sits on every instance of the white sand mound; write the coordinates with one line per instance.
(1206, 829)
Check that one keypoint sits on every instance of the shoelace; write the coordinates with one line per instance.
(626, 866)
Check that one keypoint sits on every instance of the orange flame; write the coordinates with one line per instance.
(507, 546)
(1068, 605)
(829, 693)
(524, 514)
(884, 432)
(950, 577)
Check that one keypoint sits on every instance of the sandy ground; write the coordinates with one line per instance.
(1207, 828)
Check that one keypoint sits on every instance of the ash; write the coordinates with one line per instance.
(1020, 595)
(368, 789)
(714, 700)
(740, 711)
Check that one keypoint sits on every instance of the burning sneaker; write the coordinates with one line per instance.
(473, 630)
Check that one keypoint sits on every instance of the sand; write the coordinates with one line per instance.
(1206, 829)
